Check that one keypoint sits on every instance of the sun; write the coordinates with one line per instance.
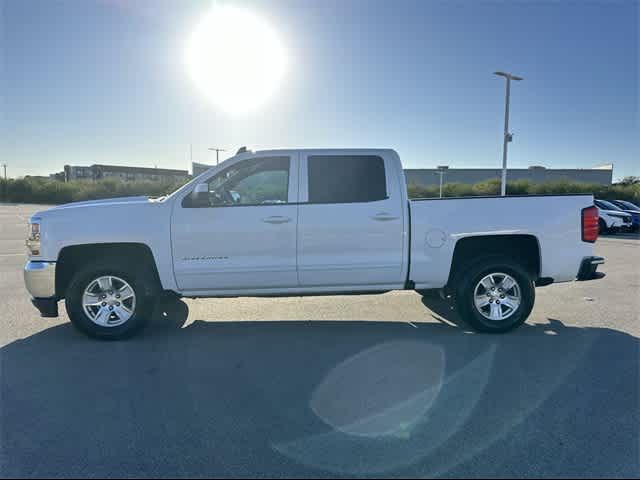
(235, 58)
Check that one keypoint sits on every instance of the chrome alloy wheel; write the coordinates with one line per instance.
(109, 301)
(497, 296)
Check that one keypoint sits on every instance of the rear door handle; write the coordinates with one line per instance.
(384, 217)
(276, 219)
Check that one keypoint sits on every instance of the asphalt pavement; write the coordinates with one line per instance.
(390, 385)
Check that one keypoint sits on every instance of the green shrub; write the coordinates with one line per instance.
(41, 190)
(488, 187)
(420, 191)
(630, 192)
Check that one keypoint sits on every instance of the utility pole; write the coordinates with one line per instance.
(217, 150)
(508, 137)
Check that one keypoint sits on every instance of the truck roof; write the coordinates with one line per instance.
(333, 151)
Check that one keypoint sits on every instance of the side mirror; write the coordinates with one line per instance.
(200, 195)
(235, 195)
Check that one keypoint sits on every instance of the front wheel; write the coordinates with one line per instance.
(602, 226)
(495, 295)
(108, 300)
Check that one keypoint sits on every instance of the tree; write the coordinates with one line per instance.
(630, 180)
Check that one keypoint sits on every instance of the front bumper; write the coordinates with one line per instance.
(614, 223)
(627, 227)
(40, 280)
(48, 307)
(588, 267)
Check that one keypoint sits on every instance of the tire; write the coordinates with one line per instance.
(469, 287)
(142, 282)
(602, 226)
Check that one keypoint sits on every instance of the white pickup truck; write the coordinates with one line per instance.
(305, 222)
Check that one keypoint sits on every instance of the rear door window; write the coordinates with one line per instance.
(346, 178)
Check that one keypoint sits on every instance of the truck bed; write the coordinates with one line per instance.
(553, 220)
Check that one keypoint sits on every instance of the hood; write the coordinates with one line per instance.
(631, 212)
(87, 203)
(614, 212)
(91, 203)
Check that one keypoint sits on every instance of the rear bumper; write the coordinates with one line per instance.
(40, 280)
(588, 267)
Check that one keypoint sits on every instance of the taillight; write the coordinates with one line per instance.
(590, 224)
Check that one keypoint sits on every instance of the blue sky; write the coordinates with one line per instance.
(103, 81)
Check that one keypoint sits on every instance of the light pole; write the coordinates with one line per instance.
(507, 136)
(441, 171)
(5, 190)
(217, 150)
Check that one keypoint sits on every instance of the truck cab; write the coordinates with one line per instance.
(343, 228)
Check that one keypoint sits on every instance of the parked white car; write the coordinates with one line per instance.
(305, 222)
(612, 218)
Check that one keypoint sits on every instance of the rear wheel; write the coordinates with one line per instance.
(109, 300)
(495, 295)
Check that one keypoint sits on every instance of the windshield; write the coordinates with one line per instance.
(628, 205)
(607, 205)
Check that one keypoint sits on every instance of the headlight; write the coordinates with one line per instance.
(33, 238)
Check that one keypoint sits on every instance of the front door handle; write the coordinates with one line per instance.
(384, 217)
(276, 219)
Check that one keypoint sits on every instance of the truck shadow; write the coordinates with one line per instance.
(344, 398)
(442, 310)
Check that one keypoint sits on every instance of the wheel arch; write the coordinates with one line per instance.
(524, 248)
(73, 257)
